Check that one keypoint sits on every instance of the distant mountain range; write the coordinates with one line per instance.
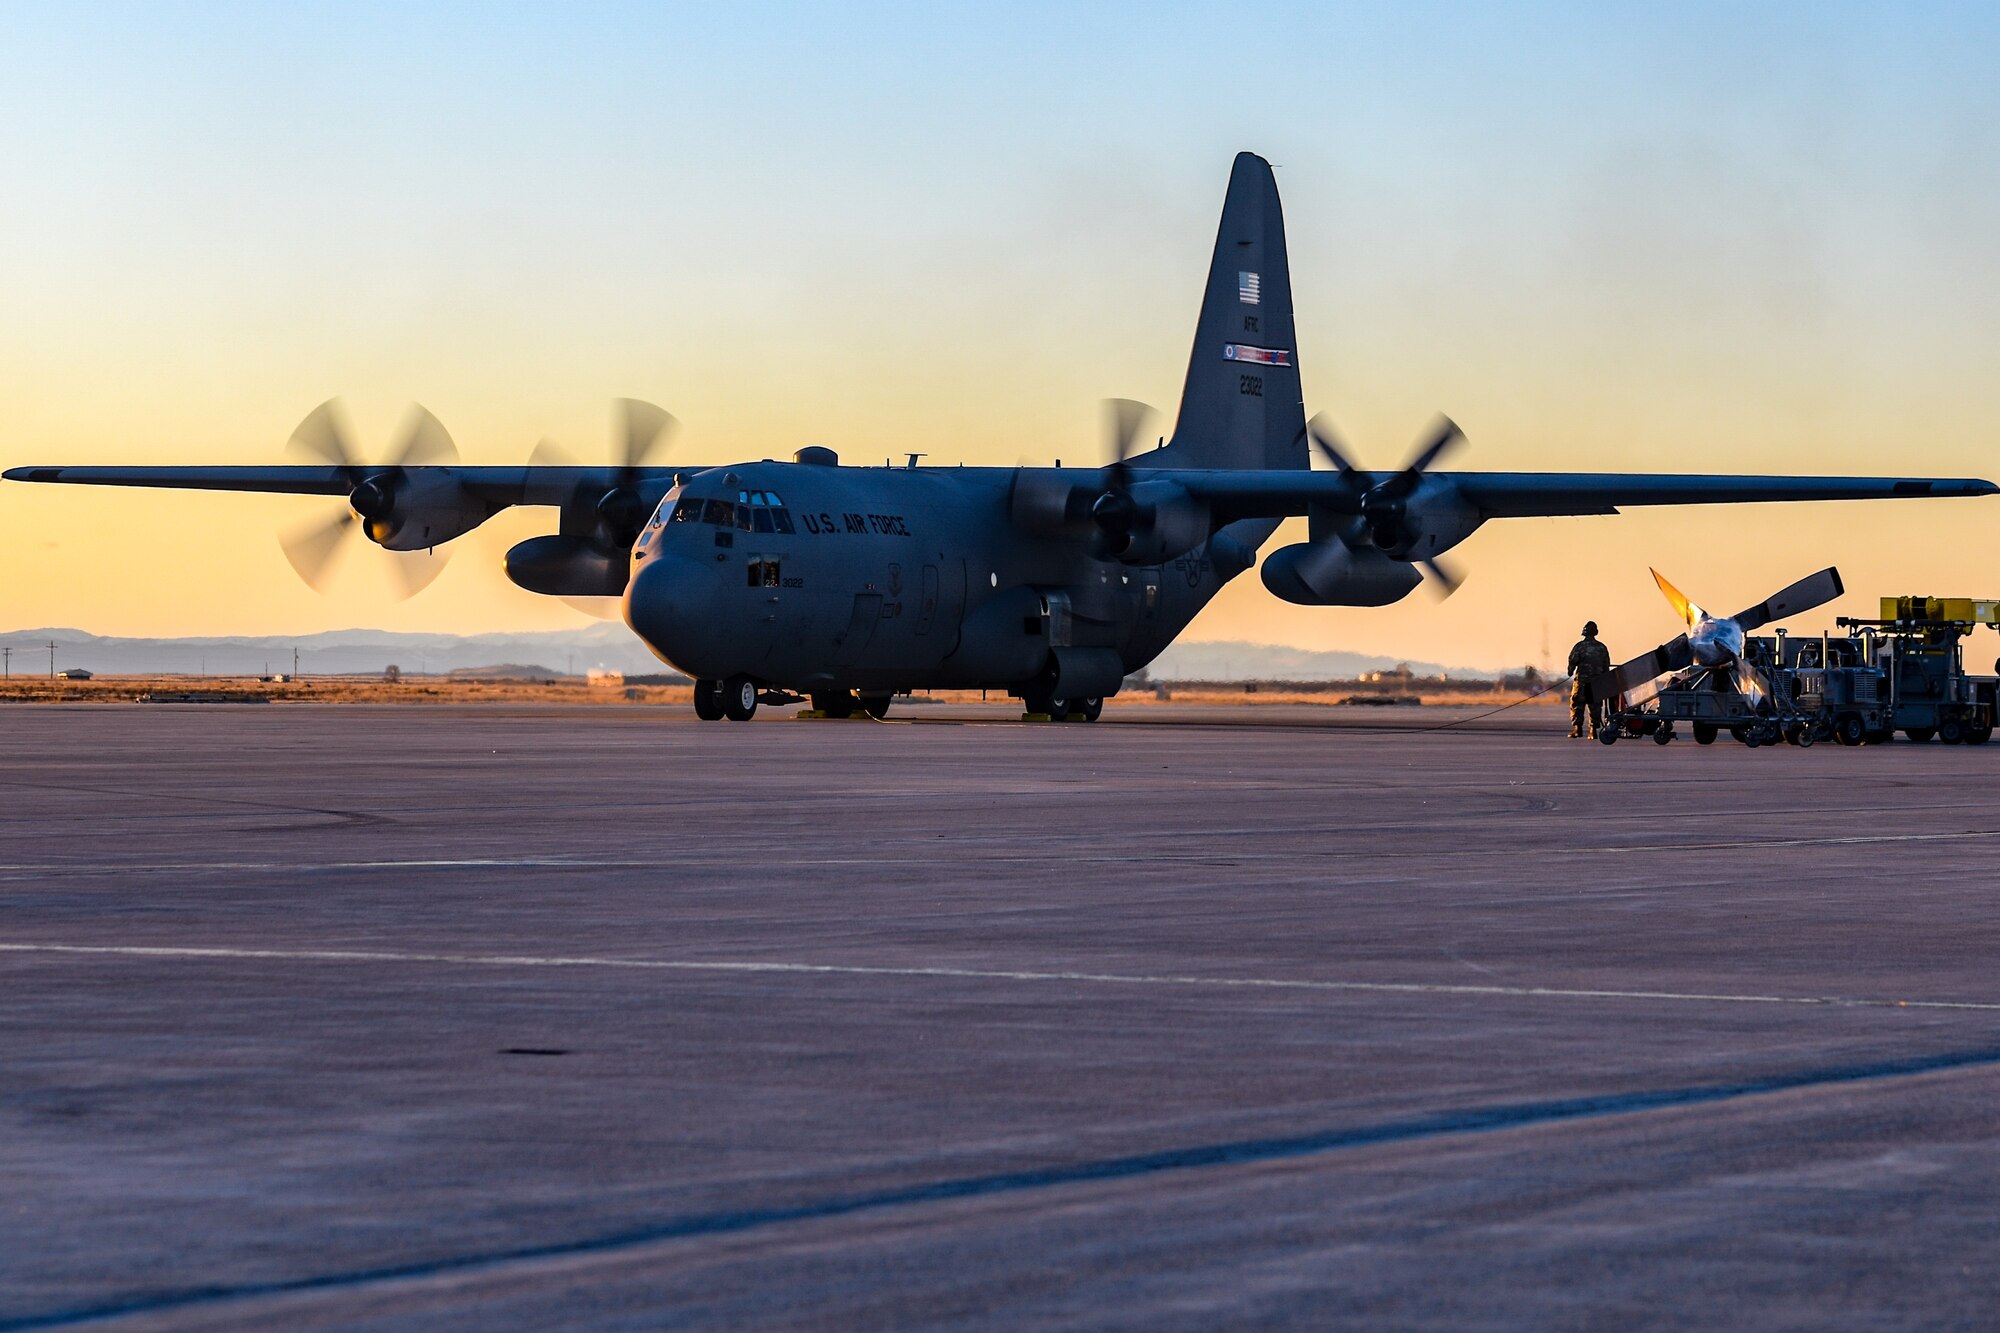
(563, 652)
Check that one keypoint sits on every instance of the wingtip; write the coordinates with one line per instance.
(31, 474)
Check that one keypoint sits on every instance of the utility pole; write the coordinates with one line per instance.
(295, 661)
(7, 660)
(52, 659)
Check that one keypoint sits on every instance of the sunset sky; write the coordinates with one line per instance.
(1678, 238)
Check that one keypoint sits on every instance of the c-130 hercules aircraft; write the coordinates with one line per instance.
(779, 582)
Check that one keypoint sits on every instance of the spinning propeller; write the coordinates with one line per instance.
(1115, 512)
(642, 433)
(612, 518)
(323, 437)
(1384, 506)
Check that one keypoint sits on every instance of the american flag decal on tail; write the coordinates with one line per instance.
(1258, 356)
(1248, 286)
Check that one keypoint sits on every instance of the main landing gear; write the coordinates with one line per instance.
(734, 698)
(1058, 709)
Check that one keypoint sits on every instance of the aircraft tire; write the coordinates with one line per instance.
(708, 700)
(1058, 709)
(875, 705)
(739, 698)
(1089, 709)
(1704, 733)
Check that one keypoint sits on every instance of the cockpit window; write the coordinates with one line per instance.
(688, 510)
(719, 512)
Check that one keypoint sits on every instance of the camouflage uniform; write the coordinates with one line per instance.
(1586, 661)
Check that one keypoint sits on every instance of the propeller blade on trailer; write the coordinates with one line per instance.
(1812, 591)
(1686, 610)
(1674, 655)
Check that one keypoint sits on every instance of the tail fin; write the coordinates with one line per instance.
(1242, 406)
(1686, 610)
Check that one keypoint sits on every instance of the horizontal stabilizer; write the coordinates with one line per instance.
(1809, 592)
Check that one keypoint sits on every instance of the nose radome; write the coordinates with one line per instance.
(673, 605)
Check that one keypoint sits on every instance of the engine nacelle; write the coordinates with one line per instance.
(1332, 573)
(1166, 522)
(404, 511)
(559, 566)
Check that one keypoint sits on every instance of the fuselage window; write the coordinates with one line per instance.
(771, 574)
(756, 571)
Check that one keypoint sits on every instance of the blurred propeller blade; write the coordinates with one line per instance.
(1447, 436)
(1325, 439)
(1123, 417)
(313, 548)
(414, 570)
(1444, 579)
(597, 608)
(547, 453)
(324, 436)
(643, 430)
(426, 443)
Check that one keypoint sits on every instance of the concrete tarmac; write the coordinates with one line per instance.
(600, 1017)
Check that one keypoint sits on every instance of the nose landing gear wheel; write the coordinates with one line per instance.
(739, 698)
(708, 700)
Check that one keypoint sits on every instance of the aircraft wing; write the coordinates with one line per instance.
(1281, 494)
(498, 485)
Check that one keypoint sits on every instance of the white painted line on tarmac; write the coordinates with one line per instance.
(1213, 855)
(973, 974)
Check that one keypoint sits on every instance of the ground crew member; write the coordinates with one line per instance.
(1588, 660)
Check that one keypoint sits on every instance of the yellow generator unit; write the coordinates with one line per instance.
(1941, 610)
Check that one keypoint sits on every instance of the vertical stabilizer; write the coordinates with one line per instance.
(1242, 406)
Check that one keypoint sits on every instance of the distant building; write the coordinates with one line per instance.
(74, 673)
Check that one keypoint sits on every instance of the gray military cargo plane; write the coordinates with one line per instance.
(779, 582)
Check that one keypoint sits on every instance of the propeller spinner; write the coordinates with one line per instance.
(314, 549)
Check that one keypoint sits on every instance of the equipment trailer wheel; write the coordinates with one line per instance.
(1921, 733)
(1663, 734)
(739, 698)
(1951, 731)
(1608, 734)
(1850, 730)
(708, 700)
(1979, 733)
(1704, 733)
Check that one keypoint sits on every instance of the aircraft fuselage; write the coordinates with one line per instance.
(817, 577)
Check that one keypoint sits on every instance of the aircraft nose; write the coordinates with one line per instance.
(673, 604)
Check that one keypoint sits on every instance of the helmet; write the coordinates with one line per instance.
(1589, 627)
